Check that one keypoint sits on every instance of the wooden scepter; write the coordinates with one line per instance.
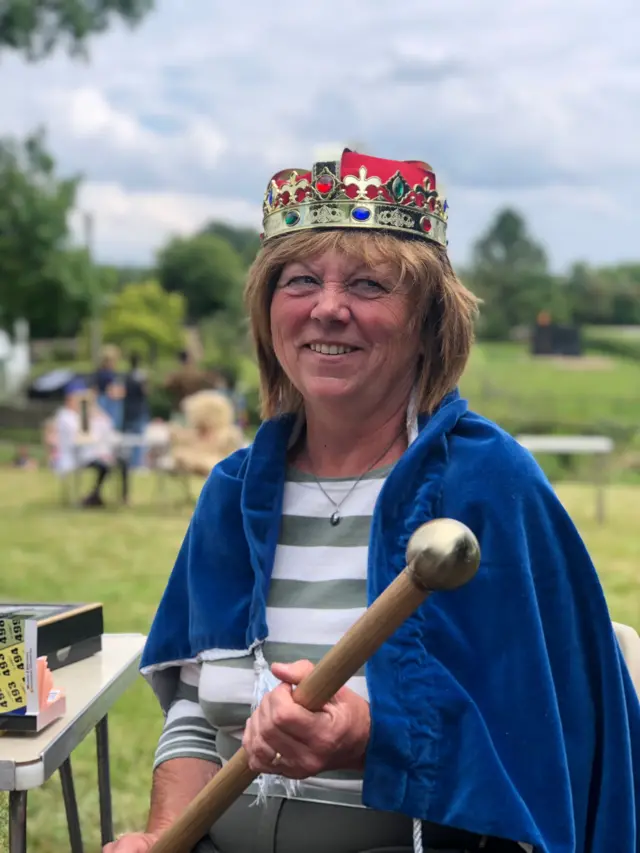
(442, 554)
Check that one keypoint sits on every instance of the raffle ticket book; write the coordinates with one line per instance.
(28, 699)
(18, 667)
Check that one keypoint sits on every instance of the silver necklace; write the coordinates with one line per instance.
(335, 515)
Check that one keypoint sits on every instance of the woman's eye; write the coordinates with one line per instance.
(367, 287)
(301, 281)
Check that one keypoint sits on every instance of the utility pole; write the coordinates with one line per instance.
(94, 292)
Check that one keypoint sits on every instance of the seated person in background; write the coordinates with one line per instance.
(78, 448)
(24, 459)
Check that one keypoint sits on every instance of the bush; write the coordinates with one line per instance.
(145, 318)
(610, 344)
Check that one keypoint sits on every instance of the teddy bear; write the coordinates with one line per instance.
(208, 436)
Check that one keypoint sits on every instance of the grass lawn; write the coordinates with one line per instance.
(508, 385)
(122, 558)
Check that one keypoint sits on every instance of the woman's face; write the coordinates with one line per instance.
(342, 332)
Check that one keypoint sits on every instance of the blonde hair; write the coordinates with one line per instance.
(444, 308)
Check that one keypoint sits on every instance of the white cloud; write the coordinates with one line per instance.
(534, 104)
(91, 117)
(129, 224)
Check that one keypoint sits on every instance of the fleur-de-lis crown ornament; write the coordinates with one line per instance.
(359, 192)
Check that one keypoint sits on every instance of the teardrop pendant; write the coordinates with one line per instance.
(335, 518)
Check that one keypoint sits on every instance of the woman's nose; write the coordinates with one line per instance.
(332, 303)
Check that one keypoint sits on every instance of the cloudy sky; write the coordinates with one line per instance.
(534, 104)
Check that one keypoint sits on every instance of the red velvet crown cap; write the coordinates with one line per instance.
(359, 192)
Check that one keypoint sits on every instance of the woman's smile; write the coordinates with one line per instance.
(331, 349)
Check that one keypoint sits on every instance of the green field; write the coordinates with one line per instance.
(123, 558)
(595, 393)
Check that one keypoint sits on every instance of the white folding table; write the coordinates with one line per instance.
(91, 687)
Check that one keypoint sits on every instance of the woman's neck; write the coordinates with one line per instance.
(335, 446)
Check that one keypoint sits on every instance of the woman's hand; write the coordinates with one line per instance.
(307, 742)
(135, 842)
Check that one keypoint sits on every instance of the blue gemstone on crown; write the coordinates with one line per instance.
(445, 206)
(361, 214)
(270, 197)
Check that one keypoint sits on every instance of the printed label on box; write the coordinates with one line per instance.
(13, 691)
(18, 685)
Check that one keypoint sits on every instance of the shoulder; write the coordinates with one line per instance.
(490, 477)
(480, 450)
(223, 485)
(231, 468)
(495, 487)
(252, 474)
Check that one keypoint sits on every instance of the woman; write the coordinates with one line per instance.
(500, 716)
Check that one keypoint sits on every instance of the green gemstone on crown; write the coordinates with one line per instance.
(292, 218)
(398, 187)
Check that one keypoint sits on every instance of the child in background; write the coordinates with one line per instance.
(23, 459)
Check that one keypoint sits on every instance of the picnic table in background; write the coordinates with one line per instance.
(599, 446)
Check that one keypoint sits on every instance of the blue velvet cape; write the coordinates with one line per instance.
(504, 708)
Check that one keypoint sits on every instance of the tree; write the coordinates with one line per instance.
(127, 275)
(591, 299)
(507, 246)
(145, 318)
(246, 241)
(34, 206)
(41, 278)
(36, 27)
(207, 270)
(510, 273)
(623, 283)
(59, 301)
(605, 296)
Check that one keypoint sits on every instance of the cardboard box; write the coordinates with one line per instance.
(66, 632)
(28, 698)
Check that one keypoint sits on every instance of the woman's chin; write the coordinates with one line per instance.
(328, 389)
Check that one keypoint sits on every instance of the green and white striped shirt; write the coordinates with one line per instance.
(318, 589)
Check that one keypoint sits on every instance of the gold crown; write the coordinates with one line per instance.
(357, 192)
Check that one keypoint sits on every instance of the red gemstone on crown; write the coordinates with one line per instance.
(426, 224)
(324, 184)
